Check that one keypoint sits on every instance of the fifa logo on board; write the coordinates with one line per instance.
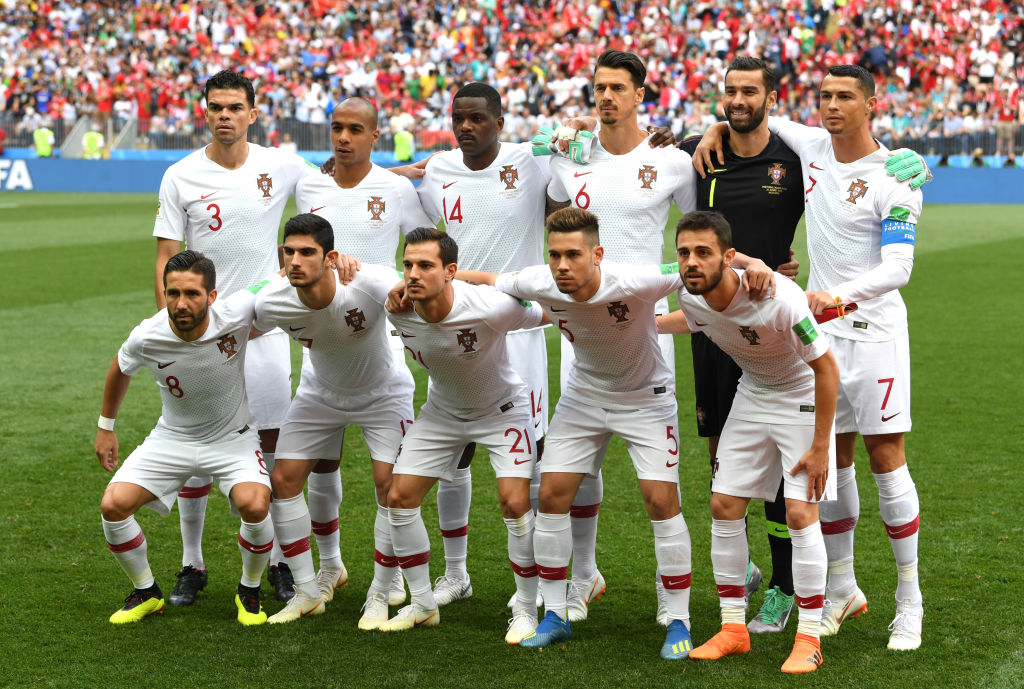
(265, 184)
(647, 176)
(376, 207)
(509, 175)
(857, 189)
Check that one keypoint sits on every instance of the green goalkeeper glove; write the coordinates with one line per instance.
(542, 141)
(905, 165)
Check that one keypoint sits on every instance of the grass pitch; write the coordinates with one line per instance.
(77, 276)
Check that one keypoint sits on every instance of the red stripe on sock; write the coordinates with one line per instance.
(324, 528)
(904, 530)
(195, 491)
(811, 602)
(296, 548)
(584, 511)
(553, 573)
(253, 548)
(414, 560)
(127, 545)
(732, 591)
(530, 571)
(679, 581)
(838, 526)
(455, 533)
(384, 560)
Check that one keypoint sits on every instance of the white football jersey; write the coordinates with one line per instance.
(367, 219)
(496, 215)
(771, 340)
(347, 340)
(631, 195)
(465, 354)
(845, 205)
(230, 216)
(202, 385)
(618, 361)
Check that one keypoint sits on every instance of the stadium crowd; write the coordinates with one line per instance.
(949, 71)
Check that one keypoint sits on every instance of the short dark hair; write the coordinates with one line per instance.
(478, 89)
(445, 242)
(744, 63)
(707, 220)
(189, 261)
(617, 59)
(230, 79)
(368, 108)
(865, 81)
(572, 219)
(311, 225)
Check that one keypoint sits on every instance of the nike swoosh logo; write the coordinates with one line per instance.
(674, 582)
(698, 323)
(889, 418)
(314, 210)
(306, 612)
(295, 330)
(557, 310)
(405, 334)
(426, 619)
(203, 198)
(518, 462)
(580, 174)
(159, 365)
(812, 165)
(671, 465)
(445, 186)
(536, 424)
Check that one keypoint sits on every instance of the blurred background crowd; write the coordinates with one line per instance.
(949, 72)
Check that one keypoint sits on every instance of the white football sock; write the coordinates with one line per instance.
(192, 500)
(453, 500)
(729, 557)
(838, 520)
(291, 524)
(384, 560)
(254, 542)
(128, 544)
(585, 507)
(412, 548)
(900, 508)
(520, 554)
(809, 570)
(552, 548)
(276, 556)
(324, 502)
(672, 550)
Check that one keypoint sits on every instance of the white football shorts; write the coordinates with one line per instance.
(318, 416)
(579, 434)
(163, 462)
(528, 354)
(874, 386)
(434, 444)
(268, 379)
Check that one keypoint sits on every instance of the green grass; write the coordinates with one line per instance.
(77, 274)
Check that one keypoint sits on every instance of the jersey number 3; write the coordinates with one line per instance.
(217, 223)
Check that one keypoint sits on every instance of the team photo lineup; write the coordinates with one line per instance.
(562, 233)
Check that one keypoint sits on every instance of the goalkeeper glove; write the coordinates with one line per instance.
(905, 165)
(542, 141)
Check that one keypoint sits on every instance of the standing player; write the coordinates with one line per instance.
(618, 383)
(369, 209)
(758, 191)
(351, 379)
(196, 350)
(490, 196)
(779, 428)
(458, 334)
(860, 241)
(226, 200)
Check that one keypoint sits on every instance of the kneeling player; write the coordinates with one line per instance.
(457, 333)
(352, 378)
(780, 426)
(196, 351)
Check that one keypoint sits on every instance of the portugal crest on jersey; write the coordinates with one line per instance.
(857, 189)
(228, 344)
(467, 338)
(509, 175)
(618, 310)
(376, 206)
(265, 184)
(777, 173)
(647, 176)
(355, 318)
(750, 334)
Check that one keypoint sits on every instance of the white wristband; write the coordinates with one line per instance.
(105, 423)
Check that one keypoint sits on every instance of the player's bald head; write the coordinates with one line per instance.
(361, 108)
